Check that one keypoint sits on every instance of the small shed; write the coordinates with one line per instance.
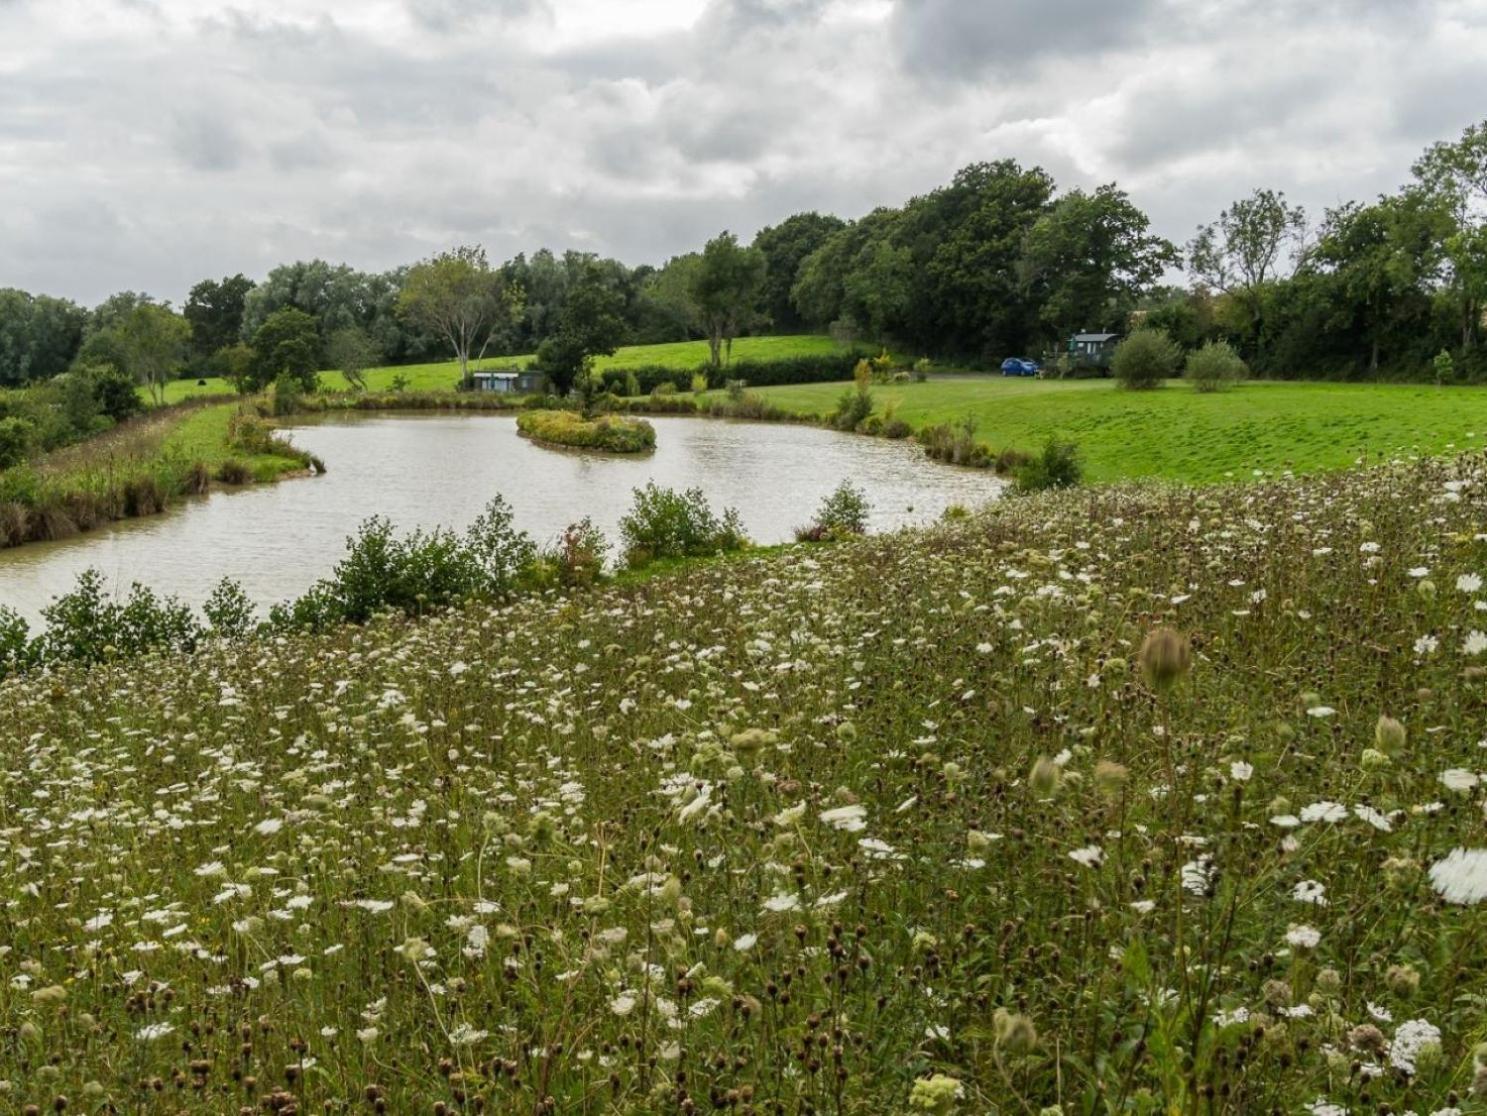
(502, 383)
(1092, 350)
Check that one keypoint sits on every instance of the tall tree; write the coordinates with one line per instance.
(785, 247)
(458, 296)
(215, 310)
(39, 336)
(286, 344)
(153, 341)
(1090, 257)
(1456, 173)
(724, 288)
(591, 325)
(1245, 250)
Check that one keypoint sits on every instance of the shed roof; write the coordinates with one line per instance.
(1094, 336)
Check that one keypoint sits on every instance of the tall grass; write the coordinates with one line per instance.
(1136, 800)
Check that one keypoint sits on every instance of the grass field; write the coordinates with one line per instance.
(1178, 433)
(1083, 805)
(444, 375)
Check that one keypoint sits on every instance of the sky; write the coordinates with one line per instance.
(147, 144)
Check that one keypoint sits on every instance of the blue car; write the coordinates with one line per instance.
(1017, 366)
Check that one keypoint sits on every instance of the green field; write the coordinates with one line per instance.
(444, 375)
(1178, 433)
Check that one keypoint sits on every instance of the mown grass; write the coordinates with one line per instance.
(444, 375)
(1177, 433)
(889, 826)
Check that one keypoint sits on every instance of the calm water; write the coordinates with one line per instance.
(439, 470)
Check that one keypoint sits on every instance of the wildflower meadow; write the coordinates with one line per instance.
(1122, 800)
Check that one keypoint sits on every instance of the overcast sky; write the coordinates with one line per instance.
(146, 144)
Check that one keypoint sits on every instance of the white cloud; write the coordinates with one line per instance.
(149, 143)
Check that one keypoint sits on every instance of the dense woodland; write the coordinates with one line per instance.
(995, 263)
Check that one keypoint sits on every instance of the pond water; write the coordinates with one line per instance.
(422, 470)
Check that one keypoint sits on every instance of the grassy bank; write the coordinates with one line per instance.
(1178, 434)
(140, 468)
(904, 825)
(444, 375)
(606, 433)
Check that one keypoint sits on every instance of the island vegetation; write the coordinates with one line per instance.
(605, 433)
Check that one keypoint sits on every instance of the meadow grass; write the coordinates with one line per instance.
(922, 823)
(1175, 432)
(444, 375)
(139, 468)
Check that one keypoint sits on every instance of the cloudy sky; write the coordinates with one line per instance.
(145, 144)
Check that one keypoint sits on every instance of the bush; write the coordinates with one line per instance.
(955, 444)
(113, 391)
(1144, 359)
(1058, 466)
(15, 440)
(15, 643)
(699, 382)
(88, 626)
(609, 433)
(1214, 366)
(228, 610)
(577, 559)
(664, 523)
(841, 514)
(817, 369)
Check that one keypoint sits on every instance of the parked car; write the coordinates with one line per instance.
(1020, 366)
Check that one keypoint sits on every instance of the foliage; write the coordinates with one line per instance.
(39, 336)
(214, 309)
(1057, 466)
(16, 437)
(609, 433)
(152, 344)
(590, 325)
(785, 247)
(285, 345)
(457, 296)
(663, 523)
(351, 352)
(1216, 365)
(1144, 359)
(842, 514)
(576, 560)
(1443, 367)
(229, 612)
(724, 288)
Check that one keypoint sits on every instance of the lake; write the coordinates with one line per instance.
(429, 470)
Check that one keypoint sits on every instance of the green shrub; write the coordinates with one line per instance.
(15, 642)
(113, 391)
(577, 559)
(664, 523)
(1144, 359)
(955, 444)
(1214, 366)
(86, 625)
(1058, 466)
(843, 513)
(610, 433)
(15, 440)
(229, 612)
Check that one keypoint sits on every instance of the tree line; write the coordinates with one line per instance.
(995, 263)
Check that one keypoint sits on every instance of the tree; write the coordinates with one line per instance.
(590, 325)
(39, 336)
(285, 345)
(1089, 258)
(215, 311)
(458, 296)
(152, 343)
(351, 352)
(785, 247)
(724, 288)
(1243, 251)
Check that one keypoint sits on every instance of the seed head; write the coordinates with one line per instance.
(1388, 734)
(1166, 656)
(1045, 777)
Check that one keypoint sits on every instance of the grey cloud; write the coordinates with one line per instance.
(945, 39)
(207, 141)
(463, 15)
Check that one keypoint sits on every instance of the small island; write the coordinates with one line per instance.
(606, 433)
